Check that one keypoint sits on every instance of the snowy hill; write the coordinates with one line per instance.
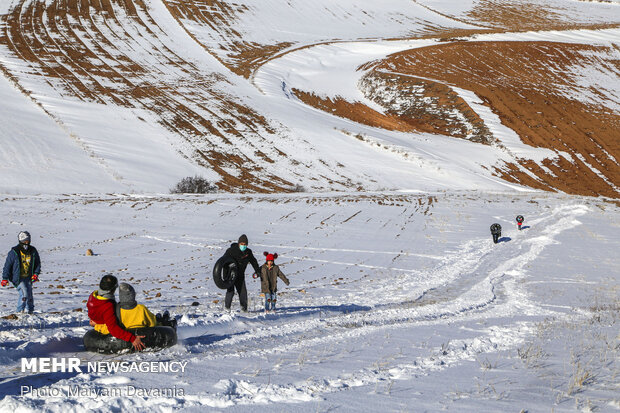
(143, 94)
(371, 145)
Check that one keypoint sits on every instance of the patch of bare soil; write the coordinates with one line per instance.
(526, 15)
(426, 105)
(407, 110)
(242, 56)
(534, 88)
(356, 111)
(87, 49)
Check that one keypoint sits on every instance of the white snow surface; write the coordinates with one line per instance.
(396, 300)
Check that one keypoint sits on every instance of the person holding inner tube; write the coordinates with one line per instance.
(242, 255)
(496, 231)
(102, 311)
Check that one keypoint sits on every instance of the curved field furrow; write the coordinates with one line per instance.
(114, 52)
(245, 36)
(539, 90)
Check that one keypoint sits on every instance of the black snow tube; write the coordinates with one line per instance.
(225, 272)
(155, 338)
(496, 229)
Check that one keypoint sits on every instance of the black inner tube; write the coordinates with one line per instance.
(225, 272)
(496, 229)
(154, 338)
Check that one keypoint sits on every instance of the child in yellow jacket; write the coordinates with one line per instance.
(132, 314)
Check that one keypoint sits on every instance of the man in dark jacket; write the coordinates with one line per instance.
(22, 267)
(102, 311)
(242, 255)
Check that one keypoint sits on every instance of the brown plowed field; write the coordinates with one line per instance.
(113, 52)
(533, 87)
(527, 15)
(418, 117)
(86, 49)
(524, 15)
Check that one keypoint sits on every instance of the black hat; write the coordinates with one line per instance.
(108, 283)
(243, 239)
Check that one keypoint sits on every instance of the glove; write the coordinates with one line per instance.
(35, 278)
(5, 283)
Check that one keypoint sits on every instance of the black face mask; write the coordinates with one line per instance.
(25, 247)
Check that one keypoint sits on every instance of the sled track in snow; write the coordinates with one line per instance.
(476, 286)
(472, 285)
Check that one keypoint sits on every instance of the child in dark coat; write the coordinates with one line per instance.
(269, 281)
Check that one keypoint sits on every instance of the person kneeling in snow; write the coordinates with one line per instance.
(133, 315)
(101, 311)
(269, 274)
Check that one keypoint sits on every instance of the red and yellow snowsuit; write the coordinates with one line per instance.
(101, 310)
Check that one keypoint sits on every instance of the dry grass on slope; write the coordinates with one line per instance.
(534, 88)
(526, 15)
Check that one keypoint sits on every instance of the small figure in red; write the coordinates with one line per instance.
(520, 221)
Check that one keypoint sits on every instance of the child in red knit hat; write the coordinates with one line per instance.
(269, 280)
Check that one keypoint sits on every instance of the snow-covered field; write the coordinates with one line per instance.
(397, 301)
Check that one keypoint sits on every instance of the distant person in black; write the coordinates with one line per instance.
(242, 255)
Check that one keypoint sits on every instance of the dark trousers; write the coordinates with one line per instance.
(241, 290)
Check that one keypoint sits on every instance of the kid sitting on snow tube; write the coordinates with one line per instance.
(156, 331)
(101, 310)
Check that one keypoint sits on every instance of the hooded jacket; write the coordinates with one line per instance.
(13, 264)
(242, 258)
(269, 278)
(137, 317)
(102, 311)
